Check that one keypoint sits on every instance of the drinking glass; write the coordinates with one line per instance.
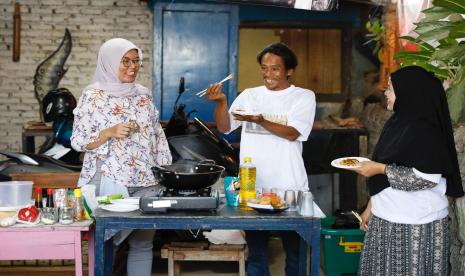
(306, 204)
(289, 198)
(49, 215)
(66, 215)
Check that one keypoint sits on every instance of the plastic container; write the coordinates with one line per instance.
(341, 248)
(248, 174)
(15, 194)
(231, 190)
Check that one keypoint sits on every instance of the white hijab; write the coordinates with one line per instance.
(106, 74)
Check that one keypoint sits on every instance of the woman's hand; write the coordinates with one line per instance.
(117, 131)
(369, 168)
(214, 93)
(366, 216)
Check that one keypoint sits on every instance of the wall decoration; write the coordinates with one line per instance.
(51, 70)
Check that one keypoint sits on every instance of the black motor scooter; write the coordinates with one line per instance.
(196, 141)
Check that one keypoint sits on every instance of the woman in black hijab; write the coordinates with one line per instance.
(414, 169)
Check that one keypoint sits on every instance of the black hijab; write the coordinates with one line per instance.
(419, 133)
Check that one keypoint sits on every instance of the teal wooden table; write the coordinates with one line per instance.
(109, 223)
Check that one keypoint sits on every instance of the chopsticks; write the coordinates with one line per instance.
(357, 216)
(203, 92)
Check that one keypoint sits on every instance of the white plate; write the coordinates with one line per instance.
(266, 208)
(120, 207)
(126, 201)
(246, 113)
(337, 162)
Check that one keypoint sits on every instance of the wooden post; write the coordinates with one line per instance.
(16, 32)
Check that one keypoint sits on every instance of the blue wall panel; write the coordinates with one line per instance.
(199, 43)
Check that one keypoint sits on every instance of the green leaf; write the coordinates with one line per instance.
(455, 17)
(436, 34)
(441, 74)
(433, 30)
(453, 5)
(423, 27)
(424, 46)
(456, 101)
(461, 61)
(458, 31)
(450, 54)
(420, 56)
(435, 13)
(460, 76)
(446, 42)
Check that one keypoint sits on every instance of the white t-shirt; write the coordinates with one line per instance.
(279, 161)
(419, 207)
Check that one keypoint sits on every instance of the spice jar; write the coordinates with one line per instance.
(66, 215)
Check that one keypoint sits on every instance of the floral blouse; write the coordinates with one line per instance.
(125, 161)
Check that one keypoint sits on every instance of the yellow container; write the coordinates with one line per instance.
(248, 174)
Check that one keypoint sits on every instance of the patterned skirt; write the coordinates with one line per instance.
(405, 249)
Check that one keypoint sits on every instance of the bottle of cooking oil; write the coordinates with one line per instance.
(247, 174)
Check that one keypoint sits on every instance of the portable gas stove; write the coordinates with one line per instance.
(171, 199)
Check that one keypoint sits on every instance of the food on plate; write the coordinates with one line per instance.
(265, 200)
(108, 199)
(349, 162)
(270, 199)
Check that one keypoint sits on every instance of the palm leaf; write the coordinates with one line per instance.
(460, 77)
(458, 31)
(435, 13)
(423, 27)
(456, 101)
(450, 54)
(453, 5)
(424, 46)
(436, 34)
(420, 56)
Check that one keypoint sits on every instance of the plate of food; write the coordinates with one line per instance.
(348, 162)
(269, 203)
(267, 208)
(245, 113)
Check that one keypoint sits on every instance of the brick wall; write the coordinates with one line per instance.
(91, 22)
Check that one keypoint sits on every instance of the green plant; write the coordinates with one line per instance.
(375, 34)
(441, 44)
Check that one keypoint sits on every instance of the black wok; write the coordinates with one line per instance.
(183, 176)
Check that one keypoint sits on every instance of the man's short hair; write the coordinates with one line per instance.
(282, 50)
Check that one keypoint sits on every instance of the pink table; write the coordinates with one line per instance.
(47, 242)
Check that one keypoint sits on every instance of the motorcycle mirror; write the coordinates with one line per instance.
(181, 85)
(180, 91)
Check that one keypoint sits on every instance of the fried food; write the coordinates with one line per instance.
(265, 200)
(349, 162)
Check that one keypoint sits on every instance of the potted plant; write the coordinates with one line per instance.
(441, 50)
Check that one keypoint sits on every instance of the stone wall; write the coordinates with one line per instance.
(91, 22)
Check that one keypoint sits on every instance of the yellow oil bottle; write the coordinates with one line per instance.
(247, 174)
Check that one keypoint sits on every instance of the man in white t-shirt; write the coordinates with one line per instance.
(275, 118)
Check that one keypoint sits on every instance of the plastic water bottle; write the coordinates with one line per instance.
(247, 174)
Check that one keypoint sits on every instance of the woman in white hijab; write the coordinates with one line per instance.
(117, 126)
